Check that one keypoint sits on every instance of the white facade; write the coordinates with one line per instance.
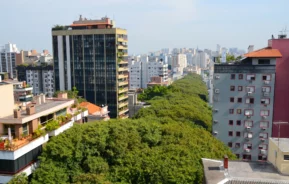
(142, 71)
(201, 60)
(42, 81)
(179, 62)
(8, 59)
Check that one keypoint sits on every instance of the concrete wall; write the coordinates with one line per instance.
(222, 104)
(6, 100)
(276, 157)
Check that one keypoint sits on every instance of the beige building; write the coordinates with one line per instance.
(278, 154)
(6, 98)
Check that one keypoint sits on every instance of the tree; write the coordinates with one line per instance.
(230, 58)
(164, 143)
(19, 179)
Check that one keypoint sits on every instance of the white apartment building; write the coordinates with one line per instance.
(179, 62)
(142, 71)
(201, 60)
(8, 59)
(41, 79)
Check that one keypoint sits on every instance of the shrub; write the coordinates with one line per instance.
(52, 125)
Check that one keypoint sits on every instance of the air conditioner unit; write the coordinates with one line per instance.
(217, 77)
(266, 94)
(266, 82)
(217, 91)
(247, 150)
(215, 132)
(249, 93)
(263, 128)
(248, 128)
(215, 121)
(263, 151)
(264, 117)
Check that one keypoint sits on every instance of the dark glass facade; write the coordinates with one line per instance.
(94, 68)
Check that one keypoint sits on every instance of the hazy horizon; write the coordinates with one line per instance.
(151, 24)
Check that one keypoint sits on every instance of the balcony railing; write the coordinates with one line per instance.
(122, 104)
(121, 69)
(122, 97)
(123, 111)
(122, 90)
(123, 83)
(120, 76)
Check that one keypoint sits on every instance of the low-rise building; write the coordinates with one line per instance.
(95, 113)
(238, 172)
(278, 154)
(22, 129)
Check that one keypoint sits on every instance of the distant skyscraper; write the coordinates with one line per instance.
(8, 59)
(92, 56)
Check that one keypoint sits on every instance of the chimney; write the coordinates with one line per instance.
(226, 162)
(24, 84)
(62, 95)
(38, 99)
(30, 110)
(17, 113)
(250, 48)
(43, 98)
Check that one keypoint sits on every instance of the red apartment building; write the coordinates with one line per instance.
(281, 99)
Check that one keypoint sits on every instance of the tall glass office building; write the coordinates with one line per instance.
(92, 56)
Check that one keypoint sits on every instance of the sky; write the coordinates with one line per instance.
(151, 24)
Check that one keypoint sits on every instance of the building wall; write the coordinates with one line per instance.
(281, 104)
(222, 104)
(6, 98)
(276, 157)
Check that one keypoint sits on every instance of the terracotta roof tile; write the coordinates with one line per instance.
(267, 52)
(91, 107)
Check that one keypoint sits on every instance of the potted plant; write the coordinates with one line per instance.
(2, 144)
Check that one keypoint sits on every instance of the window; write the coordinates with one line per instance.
(233, 76)
(238, 122)
(249, 100)
(25, 129)
(238, 134)
(262, 157)
(240, 76)
(247, 146)
(248, 123)
(265, 101)
(231, 122)
(266, 77)
(248, 135)
(239, 111)
(246, 157)
(249, 112)
(231, 133)
(232, 99)
(232, 88)
(286, 157)
(238, 156)
(264, 124)
(266, 89)
(231, 111)
(264, 113)
(263, 146)
(263, 61)
(263, 135)
(239, 100)
(240, 88)
(230, 144)
(250, 77)
(250, 89)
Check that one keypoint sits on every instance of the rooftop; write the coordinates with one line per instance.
(40, 110)
(283, 143)
(91, 107)
(242, 173)
(267, 52)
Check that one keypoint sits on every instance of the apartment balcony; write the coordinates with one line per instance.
(122, 69)
(123, 83)
(120, 61)
(121, 39)
(121, 76)
(122, 97)
(124, 116)
(122, 90)
(121, 112)
(122, 47)
(23, 89)
(26, 98)
(17, 148)
(120, 105)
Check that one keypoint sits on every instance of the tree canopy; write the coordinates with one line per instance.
(162, 144)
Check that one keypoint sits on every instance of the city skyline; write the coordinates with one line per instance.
(168, 23)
